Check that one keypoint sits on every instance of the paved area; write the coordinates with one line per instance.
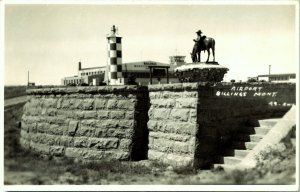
(14, 101)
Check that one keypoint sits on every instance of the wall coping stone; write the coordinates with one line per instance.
(136, 88)
(87, 90)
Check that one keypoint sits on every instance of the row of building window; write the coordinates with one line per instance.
(92, 73)
(147, 75)
(71, 81)
(281, 78)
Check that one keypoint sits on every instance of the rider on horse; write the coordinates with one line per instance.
(199, 39)
(202, 43)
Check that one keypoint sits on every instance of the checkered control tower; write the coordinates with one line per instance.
(114, 61)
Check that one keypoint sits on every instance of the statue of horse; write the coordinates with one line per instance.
(205, 43)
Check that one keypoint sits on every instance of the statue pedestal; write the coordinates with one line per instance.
(201, 72)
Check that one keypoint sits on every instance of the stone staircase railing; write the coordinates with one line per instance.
(278, 133)
(251, 141)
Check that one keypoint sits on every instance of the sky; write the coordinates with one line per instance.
(50, 40)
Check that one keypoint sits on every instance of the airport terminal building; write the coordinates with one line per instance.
(140, 71)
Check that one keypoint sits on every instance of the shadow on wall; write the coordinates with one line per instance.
(225, 111)
(141, 132)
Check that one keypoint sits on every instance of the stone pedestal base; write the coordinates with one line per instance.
(201, 72)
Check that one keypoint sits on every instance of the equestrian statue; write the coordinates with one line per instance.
(202, 43)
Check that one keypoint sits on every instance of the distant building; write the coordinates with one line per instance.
(177, 60)
(140, 71)
(284, 77)
(88, 76)
(30, 84)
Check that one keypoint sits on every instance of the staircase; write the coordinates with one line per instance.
(243, 143)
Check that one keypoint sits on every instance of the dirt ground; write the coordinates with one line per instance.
(23, 167)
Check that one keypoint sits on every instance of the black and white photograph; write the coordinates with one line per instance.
(150, 95)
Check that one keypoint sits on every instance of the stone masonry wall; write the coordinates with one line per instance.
(187, 123)
(172, 123)
(89, 123)
(194, 122)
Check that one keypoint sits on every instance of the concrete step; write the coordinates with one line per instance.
(256, 137)
(232, 160)
(243, 145)
(261, 130)
(250, 145)
(268, 122)
(248, 138)
(241, 153)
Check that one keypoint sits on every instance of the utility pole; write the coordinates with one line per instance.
(28, 78)
(269, 72)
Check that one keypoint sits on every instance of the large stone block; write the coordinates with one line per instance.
(178, 160)
(129, 115)
(120, 133)
(117, 114)
(170, 136)
(47, 139)
(112, 104)
(80, 142)
(58, 120)
(90, 114)
(101, 132)
(102, 143)
(186, 103)
(88, 104)
(34, 111)
(171, 146)
(127, 124)
(57, 129)
(66, 113)
(74, 152)
(79, 114)
(65, 104)
(40, 148)
(92, 122)
(65, 141)
(50, 103)
(100, 103)
(103, 114)
(126, 104)
(42, 127)
(179, 128)
(180, 114)
(156, 155)
(73, 126)
(161, 114)
(163, 103)
(85, 131)
(125, 144)
(170, 94)
(57, 150)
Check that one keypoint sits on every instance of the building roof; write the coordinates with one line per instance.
(277, 75)
(89, 68)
